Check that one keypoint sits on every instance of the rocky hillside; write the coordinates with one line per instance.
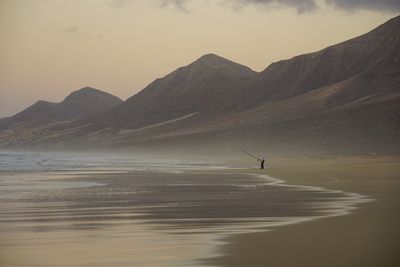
(342, 99)
(84, 102)
(198, 87)
(377, 51)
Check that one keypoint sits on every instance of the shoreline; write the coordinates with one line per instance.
(69, 216)
(367, 236)
(328, 238)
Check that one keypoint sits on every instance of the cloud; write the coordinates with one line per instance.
(179, 4)
(69, 30)
(310, 5)
(381, 5)
(119, 3)
(302, 6)
(76, 33)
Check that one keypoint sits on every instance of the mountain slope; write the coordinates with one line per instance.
(342, 99)
(84, 102)
(197, 87)
(375, 51)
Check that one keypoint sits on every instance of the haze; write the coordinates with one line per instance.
(49, 48)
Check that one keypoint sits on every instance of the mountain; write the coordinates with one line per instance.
(342, 99)
(200, 86)
(84, 102)
(374, 52)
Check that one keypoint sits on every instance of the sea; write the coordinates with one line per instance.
(113, 209)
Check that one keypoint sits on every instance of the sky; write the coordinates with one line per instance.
(49, 48)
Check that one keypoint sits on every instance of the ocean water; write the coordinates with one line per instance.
(56, 161)
(66, 209)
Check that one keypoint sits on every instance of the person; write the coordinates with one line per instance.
(262, 161)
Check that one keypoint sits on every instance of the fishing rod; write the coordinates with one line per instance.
(248, 153)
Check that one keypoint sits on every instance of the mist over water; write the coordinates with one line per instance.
(66, 209)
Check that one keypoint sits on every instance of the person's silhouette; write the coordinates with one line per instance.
(262, 161)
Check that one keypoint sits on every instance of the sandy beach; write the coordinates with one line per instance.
(190, 133)
(368, 236)
(327, 212)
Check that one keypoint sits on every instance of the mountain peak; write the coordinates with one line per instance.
(89, 92)
(86, 101)
(39, 105)
(42, 102)
(88, 88)
(394, 20)
(211, 58)
(217, 64)
(214, 60)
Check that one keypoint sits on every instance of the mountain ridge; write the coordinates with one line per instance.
(79, 103)
(191, 88)
(343, 98)
(329, 65)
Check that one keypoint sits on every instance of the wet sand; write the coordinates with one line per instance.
(227, 217)
(368, 236)
(144, 218)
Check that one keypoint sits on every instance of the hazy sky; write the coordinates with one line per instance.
(49, 48)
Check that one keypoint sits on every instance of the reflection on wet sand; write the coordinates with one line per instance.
(141, 218)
